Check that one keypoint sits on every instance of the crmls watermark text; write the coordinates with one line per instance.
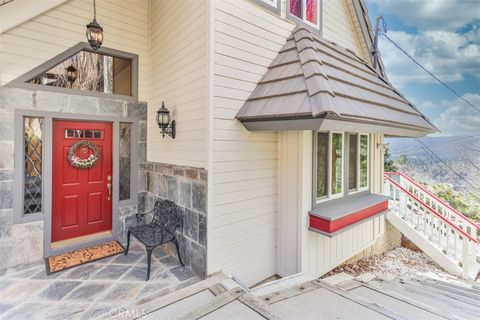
(127, 313)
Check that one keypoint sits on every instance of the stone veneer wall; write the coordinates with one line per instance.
(23, 243)
(390, 239)
(187, 187)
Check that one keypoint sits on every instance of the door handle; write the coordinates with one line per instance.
(109, 188)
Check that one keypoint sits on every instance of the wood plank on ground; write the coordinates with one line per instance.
(396, 305)
(440, 301)
(289, 292)
(413, 302)
(475, 296)
(463, 287)
(362, 301)
(217, 289)
(216, 303)
(171, 298)
(323, 304)
(258, 306)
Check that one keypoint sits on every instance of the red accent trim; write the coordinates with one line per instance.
(430, 209)
(398, 173)
(331, 226)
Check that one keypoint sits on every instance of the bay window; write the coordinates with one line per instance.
(308, 11)
(340, 164)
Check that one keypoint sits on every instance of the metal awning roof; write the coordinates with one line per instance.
(312, 79)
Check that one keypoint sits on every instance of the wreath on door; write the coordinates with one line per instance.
(84, 146)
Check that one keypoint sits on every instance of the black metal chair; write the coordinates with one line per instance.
(167, 218)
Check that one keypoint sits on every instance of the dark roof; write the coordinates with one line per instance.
(312, 78)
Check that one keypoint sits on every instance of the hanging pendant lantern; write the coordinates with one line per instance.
(94, 31)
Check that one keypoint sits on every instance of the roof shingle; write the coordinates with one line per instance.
(311, 77)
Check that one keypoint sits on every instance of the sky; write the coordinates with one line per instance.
(444, 36)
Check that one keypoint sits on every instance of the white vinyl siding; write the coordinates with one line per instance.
(178, 76)
(326, 253)
(28, 45)
(243, 216)
(338, 25)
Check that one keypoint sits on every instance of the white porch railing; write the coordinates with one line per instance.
(447, 230)
(440, 206)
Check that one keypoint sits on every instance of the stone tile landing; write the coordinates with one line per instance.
(89, 290)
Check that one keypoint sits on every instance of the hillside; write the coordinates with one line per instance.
(462, 153)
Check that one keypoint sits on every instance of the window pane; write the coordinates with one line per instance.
(122, 73)
(296, 8)
(363, 161)
(312, 10)
(125, 160)
(336, 163)
(352, 162)
(92, 72)
(322, 164)
(33, 135)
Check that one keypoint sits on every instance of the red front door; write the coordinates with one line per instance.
(81, 200)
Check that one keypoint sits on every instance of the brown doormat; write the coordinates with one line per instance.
(75, 258)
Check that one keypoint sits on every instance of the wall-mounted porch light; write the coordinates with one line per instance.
(94, 31)
(166, 125)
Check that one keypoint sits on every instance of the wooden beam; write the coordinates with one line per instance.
(217, 289)
(288, 292)
(411, 302)
(218, 302)
(361, 301)
(258, 306)
(171, 298)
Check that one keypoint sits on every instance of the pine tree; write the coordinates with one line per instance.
(388, 163)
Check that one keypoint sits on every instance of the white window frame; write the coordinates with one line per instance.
(329, 195)
(359, 188)
(304, 14)
(345, 157)
(357, 164)
(271, 3)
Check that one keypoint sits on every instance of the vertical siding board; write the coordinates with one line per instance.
(178, 41)
(252, 262)
(338, 25)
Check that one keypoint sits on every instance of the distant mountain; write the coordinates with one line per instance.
(461, 153)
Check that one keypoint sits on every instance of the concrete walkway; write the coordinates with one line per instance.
(89, 290)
